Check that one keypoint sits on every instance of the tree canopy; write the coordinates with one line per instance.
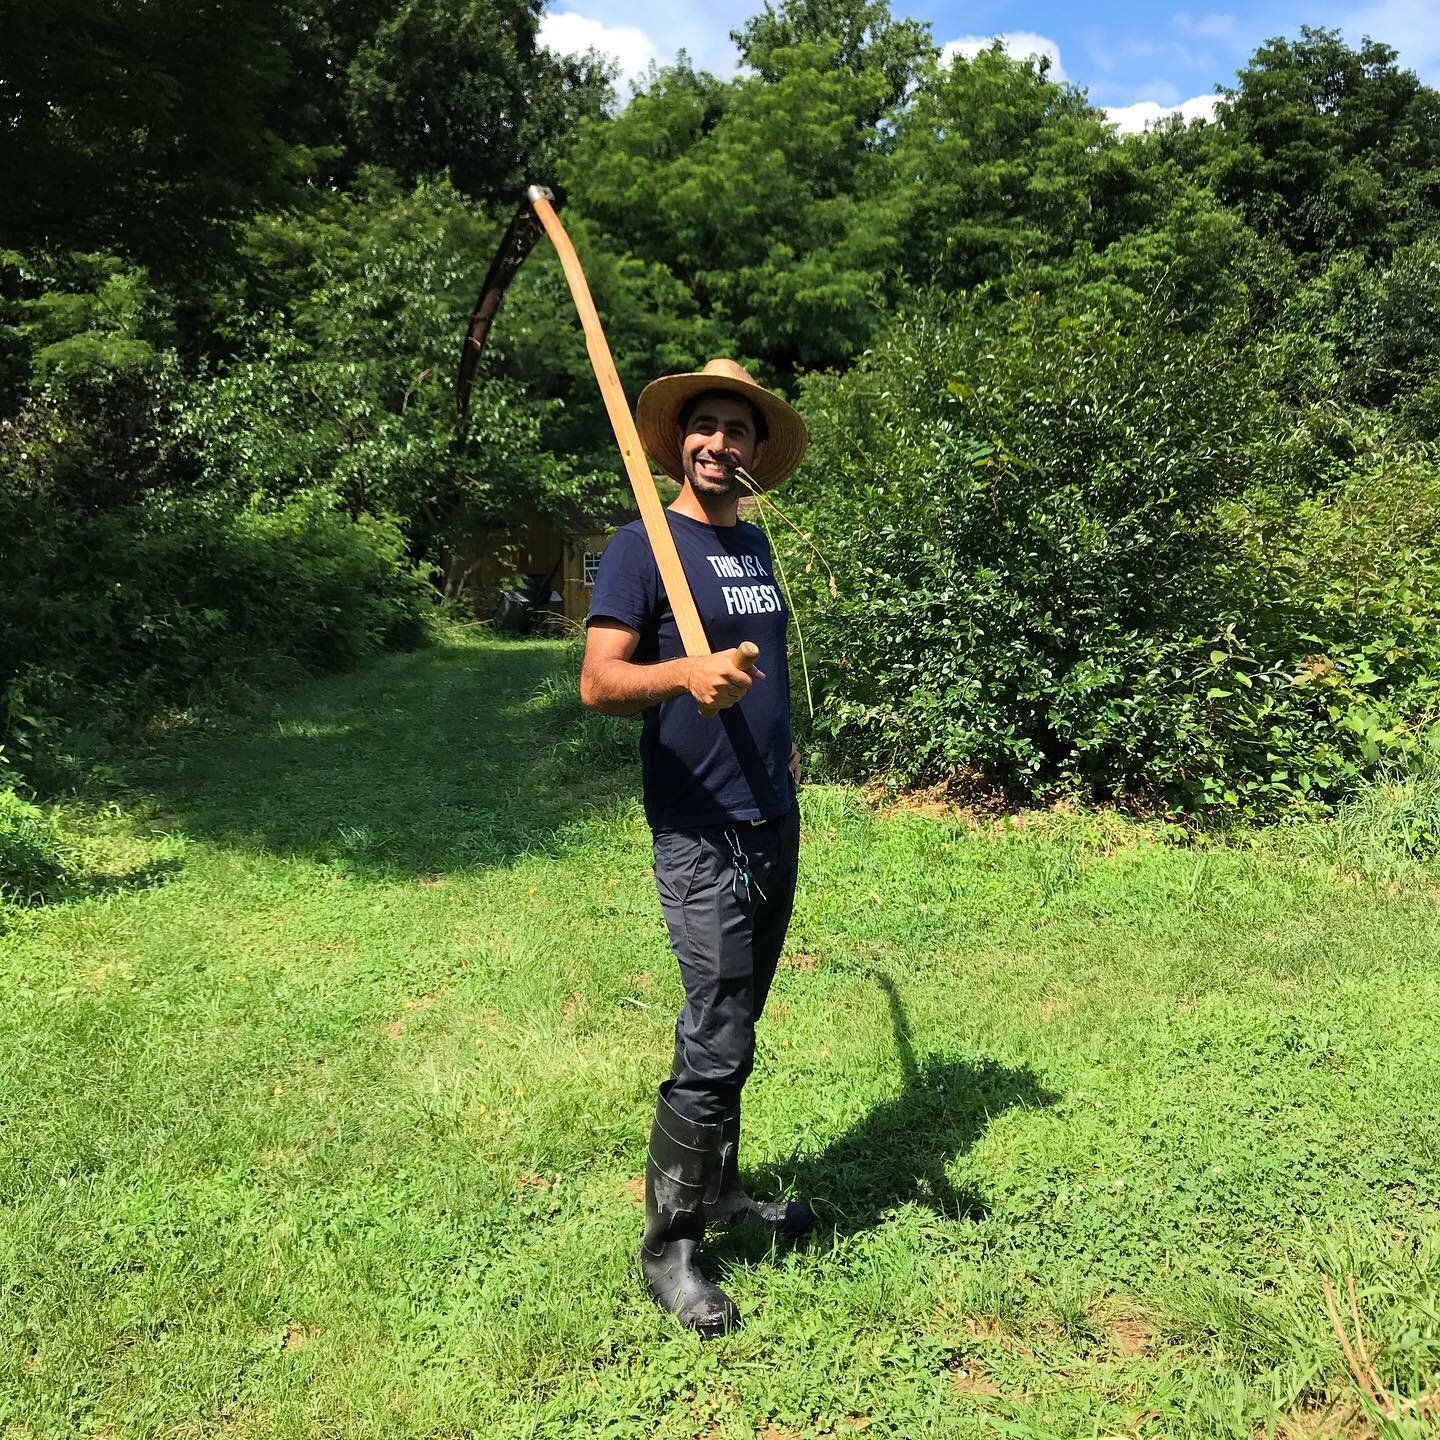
(1147, 410)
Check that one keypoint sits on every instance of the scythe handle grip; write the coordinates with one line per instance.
(743, 657)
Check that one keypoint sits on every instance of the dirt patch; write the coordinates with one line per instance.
(966, 795)
(994, 1331)
(969, 1378)
(1339, 1420)
(1131, 1333)
(800, 961)
(572, 1009)
(295, 1337)
(985, 1327)
(777, 1432)
(430, 882)
(635, 1188)
(641, 980)
(932, 802)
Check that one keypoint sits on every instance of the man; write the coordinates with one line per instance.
(719, 796)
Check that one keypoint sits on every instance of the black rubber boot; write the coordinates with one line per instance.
(683, 1170)
(791, 1218)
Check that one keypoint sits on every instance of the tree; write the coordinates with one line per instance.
(140, 126)
(1379, 332)
(429, 87)
(764, 198)
(864, 35)
(997, 166)
(343, 378)
(1331, 148)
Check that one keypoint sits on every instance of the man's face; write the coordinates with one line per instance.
(719, 436)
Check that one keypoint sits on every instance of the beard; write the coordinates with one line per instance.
(712, 486)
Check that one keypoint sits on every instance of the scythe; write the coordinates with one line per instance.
(539, 214)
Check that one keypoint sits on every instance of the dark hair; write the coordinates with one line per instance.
(687, 411)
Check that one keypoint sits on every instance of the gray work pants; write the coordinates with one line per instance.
(727, 893)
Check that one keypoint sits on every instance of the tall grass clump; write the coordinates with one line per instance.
(35, 862)
(583, 737)
(1392, 822)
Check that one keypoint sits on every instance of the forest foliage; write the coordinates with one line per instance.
(1123, 446)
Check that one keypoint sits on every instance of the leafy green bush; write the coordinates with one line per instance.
(1332, 663)
(1072, 558)
(1377, 328)
(34, 860)
(121, 613)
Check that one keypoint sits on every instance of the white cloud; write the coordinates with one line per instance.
(1122, 53)
(1411, 26)
(1130, 119)
(1213, 26)
(569, 33)
(1017, 43)
(1161, 91)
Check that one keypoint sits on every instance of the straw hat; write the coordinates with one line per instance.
(657, 417)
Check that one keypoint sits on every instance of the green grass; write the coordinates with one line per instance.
(324, 1099)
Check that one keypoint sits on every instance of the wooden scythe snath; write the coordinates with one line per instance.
(537, 215)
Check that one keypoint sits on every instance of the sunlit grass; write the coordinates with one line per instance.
(324, 1106)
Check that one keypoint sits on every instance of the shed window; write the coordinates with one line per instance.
(589, 566)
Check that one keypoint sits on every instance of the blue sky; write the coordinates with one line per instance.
(1136, 60)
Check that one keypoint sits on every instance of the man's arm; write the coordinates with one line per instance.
(612, 683)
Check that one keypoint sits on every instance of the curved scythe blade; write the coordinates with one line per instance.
(525, 229)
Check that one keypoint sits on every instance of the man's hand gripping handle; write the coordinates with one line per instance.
(718, 681)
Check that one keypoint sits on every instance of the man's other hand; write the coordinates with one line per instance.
(717, 682)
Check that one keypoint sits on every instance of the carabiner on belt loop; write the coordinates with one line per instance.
(741, 873)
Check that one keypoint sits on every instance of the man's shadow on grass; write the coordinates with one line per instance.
(901, 1152)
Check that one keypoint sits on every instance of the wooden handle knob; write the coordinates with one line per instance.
(744, 657)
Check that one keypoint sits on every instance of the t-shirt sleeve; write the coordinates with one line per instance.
(627, 584)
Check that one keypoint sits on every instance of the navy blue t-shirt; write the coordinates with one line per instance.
(735, 765)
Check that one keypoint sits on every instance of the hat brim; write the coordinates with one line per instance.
(657, 418)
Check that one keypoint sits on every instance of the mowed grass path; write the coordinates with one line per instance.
(323, 1111)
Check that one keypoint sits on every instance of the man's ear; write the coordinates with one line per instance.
(759, 451)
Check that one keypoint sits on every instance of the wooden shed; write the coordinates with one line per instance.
(500, 558)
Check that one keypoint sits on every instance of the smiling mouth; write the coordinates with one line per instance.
(723, 464)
